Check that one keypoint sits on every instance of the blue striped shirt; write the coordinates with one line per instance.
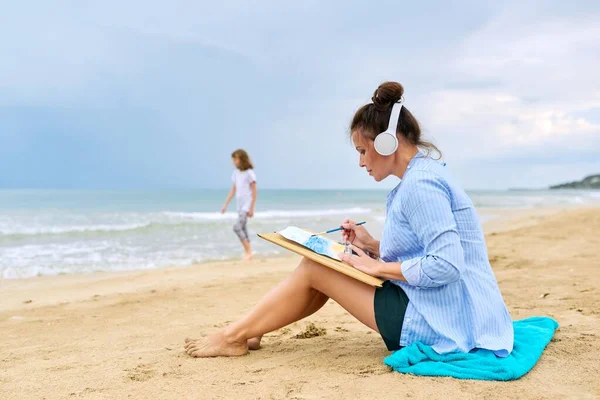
(432, 228)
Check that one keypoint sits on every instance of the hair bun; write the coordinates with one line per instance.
(387, 94)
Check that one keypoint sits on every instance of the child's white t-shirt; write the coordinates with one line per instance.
(243, 192)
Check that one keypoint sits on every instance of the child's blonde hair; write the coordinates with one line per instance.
(244, 158)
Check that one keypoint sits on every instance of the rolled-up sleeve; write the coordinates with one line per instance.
(429, 213)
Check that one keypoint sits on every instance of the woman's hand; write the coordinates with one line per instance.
(357, 235)
(363, 262)
(251, 212)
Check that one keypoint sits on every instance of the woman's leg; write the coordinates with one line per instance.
(318, 302)
(286, 303)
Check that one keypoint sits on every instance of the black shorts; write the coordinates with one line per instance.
(390, 307)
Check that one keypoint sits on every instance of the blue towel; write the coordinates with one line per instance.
(531, 337)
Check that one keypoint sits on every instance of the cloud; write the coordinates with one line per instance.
(170, 90)
(545, 99)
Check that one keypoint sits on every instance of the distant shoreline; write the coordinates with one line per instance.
(589, 182)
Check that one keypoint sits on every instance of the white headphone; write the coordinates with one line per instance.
(386, 143)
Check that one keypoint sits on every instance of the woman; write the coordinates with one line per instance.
(439, 286)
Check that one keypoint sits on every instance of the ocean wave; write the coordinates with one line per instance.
(594, 195)
(61, 230)
(165, 219)
(32, 261)
(215, 216)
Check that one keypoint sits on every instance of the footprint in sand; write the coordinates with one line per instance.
(311, 331)
(141, 373)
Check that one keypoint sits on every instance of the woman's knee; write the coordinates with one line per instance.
(309, 269)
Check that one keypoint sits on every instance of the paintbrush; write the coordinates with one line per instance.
(336, 229)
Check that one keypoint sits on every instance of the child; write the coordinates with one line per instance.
(244, 188)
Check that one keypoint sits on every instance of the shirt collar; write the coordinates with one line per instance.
(411, 163)
(413, 160)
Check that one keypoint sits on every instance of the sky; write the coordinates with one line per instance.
(154, 94)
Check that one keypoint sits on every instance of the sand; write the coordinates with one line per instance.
(120, 336)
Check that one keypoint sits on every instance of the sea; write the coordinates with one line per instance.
(51, 232)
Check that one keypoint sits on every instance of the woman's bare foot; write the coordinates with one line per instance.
(215, 345)
(254, 343)
(248, 256)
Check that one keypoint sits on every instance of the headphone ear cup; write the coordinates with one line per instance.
(386, 143)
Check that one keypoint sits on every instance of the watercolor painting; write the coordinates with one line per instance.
(318, 244)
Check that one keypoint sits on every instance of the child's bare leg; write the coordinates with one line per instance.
(287, 303)
(247, 249)
(241, 231)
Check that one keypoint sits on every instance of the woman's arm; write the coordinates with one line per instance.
(429, 213)
(373, 248)
(359, 236)
(428, 210)
(379, 269)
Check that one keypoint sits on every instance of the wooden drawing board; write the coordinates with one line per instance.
(339, 266)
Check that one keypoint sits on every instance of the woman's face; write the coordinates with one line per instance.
(236, 162)
(378, 166)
